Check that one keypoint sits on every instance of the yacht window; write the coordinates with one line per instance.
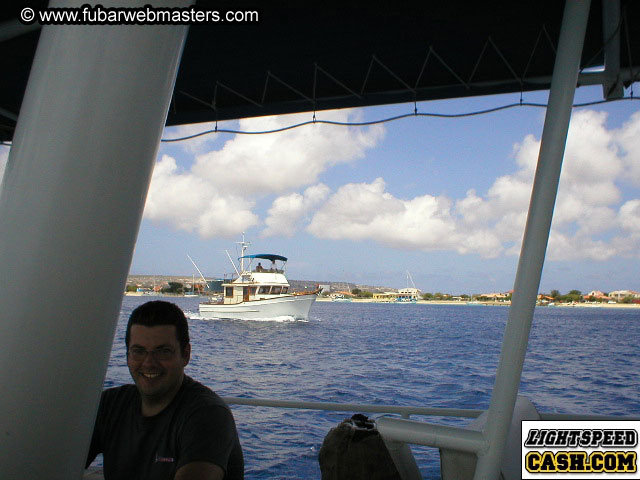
(252, 290)
(263, 290)
(228, 291)
(285, 289)
(276, 290)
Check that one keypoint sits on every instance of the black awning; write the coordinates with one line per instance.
(305, 56)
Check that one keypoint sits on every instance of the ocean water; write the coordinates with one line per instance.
(580, 360)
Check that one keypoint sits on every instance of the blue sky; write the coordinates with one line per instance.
(444, 199)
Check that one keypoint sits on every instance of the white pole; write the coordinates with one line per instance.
(536, 236)
(234, 265)
(70, 206)
(430, 434)
(201, 275)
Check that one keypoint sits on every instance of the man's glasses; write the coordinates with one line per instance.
(138, 354)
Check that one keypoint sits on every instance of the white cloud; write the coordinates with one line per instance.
(192, 204)
(589, 190)
(350, 212)
(360, 211)
(287, 211)
(629, 216)
(284, 161)
(586, 213)
(627, 243)
(628, 138)
(217, 193)
(587, 195)
(366, 211)
(567, 247)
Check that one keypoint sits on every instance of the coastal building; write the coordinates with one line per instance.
(544, 299)
(621, 294)
(385, 297)
(408, 295)
(597, 294)
(496, 297)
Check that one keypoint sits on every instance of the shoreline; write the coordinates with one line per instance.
(494, 304)
(435, 302)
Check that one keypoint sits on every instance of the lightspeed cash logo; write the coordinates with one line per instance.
(580, 449)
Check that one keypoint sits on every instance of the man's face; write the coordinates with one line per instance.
(155, 362)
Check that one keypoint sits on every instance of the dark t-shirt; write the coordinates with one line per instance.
(196, 426)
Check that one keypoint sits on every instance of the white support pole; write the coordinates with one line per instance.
(431, 434)
(536, 236)
(70, 207)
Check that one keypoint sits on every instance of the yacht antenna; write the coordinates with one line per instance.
(409, 278)
(244, 245)
(201, 275)
(234, 265)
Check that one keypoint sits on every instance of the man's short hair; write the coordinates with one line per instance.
(158, 312)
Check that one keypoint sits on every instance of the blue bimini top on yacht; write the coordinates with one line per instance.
(266, 256)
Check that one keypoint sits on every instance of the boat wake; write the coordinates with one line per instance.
(278, 319)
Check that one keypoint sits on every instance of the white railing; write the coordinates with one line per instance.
(404, 411)
(399, 433)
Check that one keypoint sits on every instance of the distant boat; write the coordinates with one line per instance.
(471, 301)
(192, 292)
(259, 293)
(340, 298)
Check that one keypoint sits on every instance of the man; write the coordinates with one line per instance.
(167, 426)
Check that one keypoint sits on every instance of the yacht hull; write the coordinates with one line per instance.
(294, 306)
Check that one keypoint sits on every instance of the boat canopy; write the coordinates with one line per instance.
(435, 50)
(267, 256)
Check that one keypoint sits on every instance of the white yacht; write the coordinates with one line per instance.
(259, 292)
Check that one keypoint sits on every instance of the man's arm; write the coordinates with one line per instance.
(199, 471)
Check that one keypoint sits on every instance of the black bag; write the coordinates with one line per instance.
(354, 450)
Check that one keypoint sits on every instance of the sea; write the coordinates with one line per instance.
(579, 360)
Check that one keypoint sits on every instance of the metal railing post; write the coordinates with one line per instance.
(536, 236)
